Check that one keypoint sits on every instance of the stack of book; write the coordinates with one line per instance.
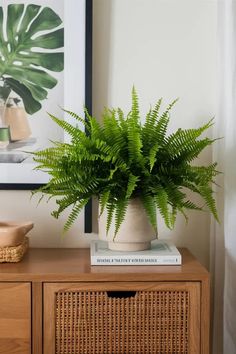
(161, 253)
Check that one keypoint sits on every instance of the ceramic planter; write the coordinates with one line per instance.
(13, 233)
(135, 233)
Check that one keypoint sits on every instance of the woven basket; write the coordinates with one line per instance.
(14, 254)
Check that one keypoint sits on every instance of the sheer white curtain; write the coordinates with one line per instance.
(223, 236)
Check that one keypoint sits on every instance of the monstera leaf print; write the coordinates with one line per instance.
(30, 37)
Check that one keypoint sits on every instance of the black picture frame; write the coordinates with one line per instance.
(88, 104)
(88, 92)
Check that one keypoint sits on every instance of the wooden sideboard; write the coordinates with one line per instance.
(54, 302)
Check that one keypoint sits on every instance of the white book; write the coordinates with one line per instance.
(161, 253)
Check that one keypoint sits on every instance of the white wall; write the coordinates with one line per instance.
(166, 48)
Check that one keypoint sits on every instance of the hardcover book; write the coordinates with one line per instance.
(161, 253)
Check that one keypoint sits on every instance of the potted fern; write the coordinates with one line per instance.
(133, 168)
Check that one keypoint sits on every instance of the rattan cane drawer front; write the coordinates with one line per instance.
(153, 318)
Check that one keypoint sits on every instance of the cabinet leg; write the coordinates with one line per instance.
(37, 312)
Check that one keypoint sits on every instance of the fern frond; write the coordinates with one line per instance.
(132, 183)
(170, 106)
(207, 194)
(135, 107)
(103, 200)
(161, 199)
(75, 212)
(162, 124)
(112, 132)
(121, 119)
(121, 206)
(190, 205)
(154, 113)
(196, 149)
(110, 212)
(187, 134)
(203, 174)
(77, 117)
(150, 207)
(172, 217)
(175, 195)
(63, 204)
(152, 155)
(70, 129)
(151, 120)
(134, 142)
(134, 130)
(185, 143)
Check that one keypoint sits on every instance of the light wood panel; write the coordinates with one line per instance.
(15, 318)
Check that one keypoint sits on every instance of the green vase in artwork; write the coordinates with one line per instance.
(4, 137)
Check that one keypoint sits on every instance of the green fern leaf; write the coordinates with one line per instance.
(110, 212)
(77, 117)
(151, 119)
(162, 124)
(150, 207)
(154, 113)
(184, 142)
(172, 217)
(207, 194)
(73, 131)
(134, 130)
(190, 205)
(161, 199)
(121, 206)
(74, 214)
(134, 143)
(64, 203)
(132, 183)
(203, 174)
(152, 155)
(135, 106)
(121, 120)
(103, 200)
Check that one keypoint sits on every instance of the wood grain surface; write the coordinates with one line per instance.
(71, 268)
(74, 264)
(15, 318)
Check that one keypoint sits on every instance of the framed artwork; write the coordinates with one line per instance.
(45, 65)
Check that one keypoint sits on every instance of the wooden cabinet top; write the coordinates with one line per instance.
(63, 264)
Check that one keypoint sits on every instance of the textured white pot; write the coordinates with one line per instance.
(135, 233)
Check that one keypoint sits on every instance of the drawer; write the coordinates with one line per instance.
(15, 318)
(120, 317)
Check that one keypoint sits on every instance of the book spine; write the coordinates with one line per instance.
(100, 260)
